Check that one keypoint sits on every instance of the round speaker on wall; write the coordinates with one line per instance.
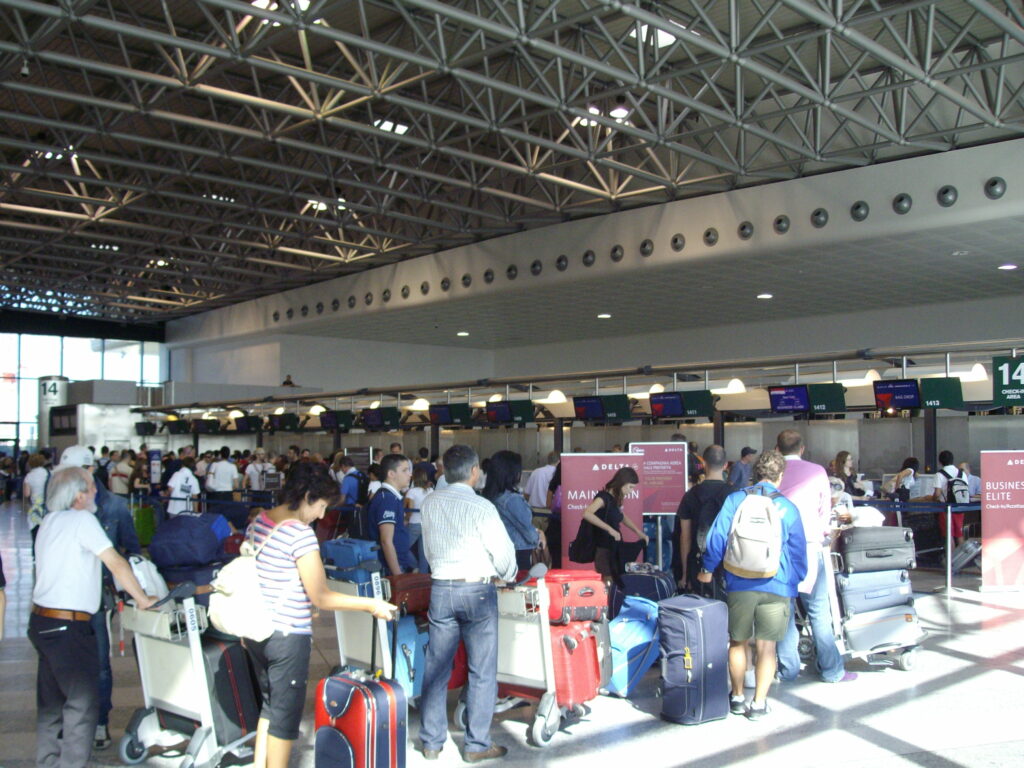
(710, 236)
(678, 242)
(589, 257)
(781, 224)
(617, 253)
(859, 210)
(819, 218)
(745, 230)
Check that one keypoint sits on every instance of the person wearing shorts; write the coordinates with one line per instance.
(292, 580)
(758, 607)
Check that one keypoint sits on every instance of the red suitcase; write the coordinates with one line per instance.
(360, 723)
(577, 669)
(576, 596)
(410, 592)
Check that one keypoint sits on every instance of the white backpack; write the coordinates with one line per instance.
(237, 605)
(754, 547)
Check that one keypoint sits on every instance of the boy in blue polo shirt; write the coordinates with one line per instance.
(388, 516)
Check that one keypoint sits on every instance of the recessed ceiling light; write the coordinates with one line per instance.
(960, 253)
(604, 316)
(462, 333)
(764, 295)
(1007, 267)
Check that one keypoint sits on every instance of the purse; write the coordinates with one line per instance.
(237, 604)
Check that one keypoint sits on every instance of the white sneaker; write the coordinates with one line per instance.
(102, 739)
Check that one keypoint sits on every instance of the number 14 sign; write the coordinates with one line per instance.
(1008, 380)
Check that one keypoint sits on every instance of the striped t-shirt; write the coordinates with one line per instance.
(278, 573)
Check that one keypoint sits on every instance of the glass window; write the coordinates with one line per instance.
(29, 435)
(40, 356)
(82, 359)
(29, 399)
(9, 353)
(151, 362)
(8, 398)
(121, 360)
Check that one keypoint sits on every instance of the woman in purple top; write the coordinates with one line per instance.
(292, 580)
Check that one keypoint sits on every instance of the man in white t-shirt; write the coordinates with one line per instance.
(71, 547)
(182, 487)
(947, 473)
(537, 486)
(256, 472)
(222, 478)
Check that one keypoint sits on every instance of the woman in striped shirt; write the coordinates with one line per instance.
(292, 580)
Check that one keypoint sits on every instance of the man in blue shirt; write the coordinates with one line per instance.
(758, 607)
(387, 516)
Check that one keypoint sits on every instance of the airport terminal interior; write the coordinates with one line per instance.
(562, 226)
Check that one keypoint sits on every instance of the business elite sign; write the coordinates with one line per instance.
(1002, 520)
(583, 475)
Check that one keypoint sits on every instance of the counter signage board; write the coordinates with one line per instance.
(1002, 515)
(827, 398)
(662, 475)
(942, 393)
(699, 403)
(583, 475)
(361, 457)
(1007, 381)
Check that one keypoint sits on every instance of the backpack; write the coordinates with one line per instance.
(186, 539)
(754, 547)
(363, 496)
(102, 472)
(957, 491)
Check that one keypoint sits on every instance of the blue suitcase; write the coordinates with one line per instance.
(635, 644)
(694, 634)
(408, 649)
(350, 553)
(873, 590)
(363, 577)
(655, 586)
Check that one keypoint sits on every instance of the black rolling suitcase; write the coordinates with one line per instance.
(234, 696)
(694, 659)
(876, 549)
(873, 590)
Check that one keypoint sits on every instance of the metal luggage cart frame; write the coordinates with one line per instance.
(903, 656)
(173, 675)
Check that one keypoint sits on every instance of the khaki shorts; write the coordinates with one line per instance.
(761, 615)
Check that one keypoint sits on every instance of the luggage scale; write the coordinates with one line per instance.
(173, 676)
(901, 655)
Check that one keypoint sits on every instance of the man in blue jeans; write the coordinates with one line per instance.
(468, 550)
(806, 485)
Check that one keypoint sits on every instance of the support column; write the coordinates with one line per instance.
(931, 440)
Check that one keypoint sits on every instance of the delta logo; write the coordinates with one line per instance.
(1014, 462)
(608, 467)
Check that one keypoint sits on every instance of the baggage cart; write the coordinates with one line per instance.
(176, 689)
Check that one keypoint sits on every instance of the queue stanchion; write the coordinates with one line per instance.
(949, 548)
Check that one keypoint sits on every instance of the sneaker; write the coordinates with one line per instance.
(846, 678)
(737, 705)
(756, 713)
(102, 738)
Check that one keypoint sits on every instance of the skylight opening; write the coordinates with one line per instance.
(391, 126)
(661, 37)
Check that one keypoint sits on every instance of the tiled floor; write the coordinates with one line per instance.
(962, 706)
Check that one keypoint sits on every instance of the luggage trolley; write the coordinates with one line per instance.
(526, 668)
(900, 650)
(174, 680)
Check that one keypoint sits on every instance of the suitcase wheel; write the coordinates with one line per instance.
(131, 751)
(461, 715)
(907, 660)
(540, 733)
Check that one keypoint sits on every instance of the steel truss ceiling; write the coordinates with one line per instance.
(165, 158)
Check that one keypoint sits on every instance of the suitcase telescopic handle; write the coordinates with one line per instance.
(586, 592)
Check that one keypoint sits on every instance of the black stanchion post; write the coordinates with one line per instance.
(949, 548)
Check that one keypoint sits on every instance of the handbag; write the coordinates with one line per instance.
(237, 605)
(583, 548)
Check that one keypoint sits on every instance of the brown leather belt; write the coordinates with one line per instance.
(202, 589)
(56, 613)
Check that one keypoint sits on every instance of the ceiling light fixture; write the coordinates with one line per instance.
(462, 333)
(279, 411)
(604, 316)
(734, 387)
(375, 404)
(619, 113)
(1007, 267)
(656, 389)
(555, 397)
(420, 404)
(495, 398)
(976, 373)
(870, 376)
(236, 414)
(764, 296)
(316, 410)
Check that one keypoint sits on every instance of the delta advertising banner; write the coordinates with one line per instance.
(583, 475)
(662, 475)
(1002, 520)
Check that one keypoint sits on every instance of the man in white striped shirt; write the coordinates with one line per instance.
(468, 549)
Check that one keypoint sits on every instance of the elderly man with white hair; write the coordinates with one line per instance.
(71, 547)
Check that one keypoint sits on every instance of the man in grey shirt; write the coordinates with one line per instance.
(739, 474)
(468, 549)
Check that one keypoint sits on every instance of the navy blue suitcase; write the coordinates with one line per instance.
(655, 586)
(694, 635)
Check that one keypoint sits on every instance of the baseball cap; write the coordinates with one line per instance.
(77, 456)
(747, 451)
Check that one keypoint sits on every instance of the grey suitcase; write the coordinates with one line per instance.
(883, 630)
(966, 554)
(864, 592)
